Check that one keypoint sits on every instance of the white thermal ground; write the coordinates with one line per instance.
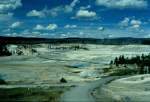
(131, 89)
(73, 65)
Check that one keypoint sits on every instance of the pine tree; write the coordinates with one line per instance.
(4, 51)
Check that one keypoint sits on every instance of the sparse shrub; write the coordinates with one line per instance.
(63, 80)
(34, 51)
(2, 82)
(106, 70)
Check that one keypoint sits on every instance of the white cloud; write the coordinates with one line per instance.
(35, 13)
(25, 32)
(135, 24)
(6, 8)
(15, 25)
(63, 35)
(81, 33)
(85, 14)
(6, 16)
(74, 2)
(54, 11)
(70, 26)
(85, 7)
(49, 27)
(125, 22)
(101, 28)
(35, 33)
(123, 3)
(69, 8)
(130, 23)
(43, 13)
(7, 5)
(48, 12)
(39, 27)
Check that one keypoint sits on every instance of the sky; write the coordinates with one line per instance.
(75, 18)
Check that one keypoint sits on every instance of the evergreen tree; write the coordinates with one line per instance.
(4, 51)
(116, 62)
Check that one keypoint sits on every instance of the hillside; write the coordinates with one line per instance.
(109, 41)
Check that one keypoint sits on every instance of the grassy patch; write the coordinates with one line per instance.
(30, 94)
(120, 70)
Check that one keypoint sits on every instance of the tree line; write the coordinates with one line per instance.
(141, 61)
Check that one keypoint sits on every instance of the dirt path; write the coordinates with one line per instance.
(82, 93)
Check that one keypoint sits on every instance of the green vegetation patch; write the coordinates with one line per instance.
(31, 94)
(121, 65)
(121, 72)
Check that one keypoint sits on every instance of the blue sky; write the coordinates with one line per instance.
(75, 18)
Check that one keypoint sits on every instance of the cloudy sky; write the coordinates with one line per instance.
(75, 18)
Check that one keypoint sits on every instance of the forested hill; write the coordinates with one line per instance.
(109, 41)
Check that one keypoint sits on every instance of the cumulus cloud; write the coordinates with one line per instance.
(51, 27)
(42, 13)
(39, 27)
(69, 8)
(135, 23)
(70, 26)
(123, 3)
(130, 23)
(53, 11)
(48, 12)
(16, 25)
(6, 5)
(135, 26)
(125, 22)
(35, 13)
(48, 27)
(85, 14)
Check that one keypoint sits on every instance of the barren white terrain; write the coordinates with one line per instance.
(49, 65)
(131, 89)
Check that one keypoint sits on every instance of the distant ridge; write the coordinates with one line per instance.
(106, 41)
